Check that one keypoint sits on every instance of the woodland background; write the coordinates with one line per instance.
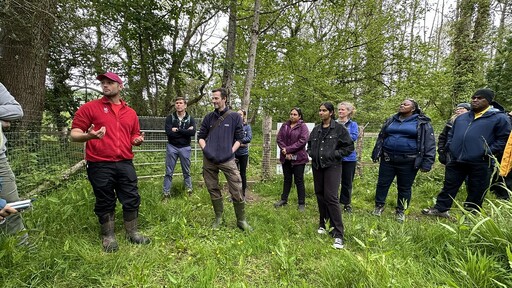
(271, 55)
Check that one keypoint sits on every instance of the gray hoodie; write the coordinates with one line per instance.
(10, 110)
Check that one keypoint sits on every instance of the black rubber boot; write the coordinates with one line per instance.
(130, 224)
(108, 237)
(218, 208)
(240, 216)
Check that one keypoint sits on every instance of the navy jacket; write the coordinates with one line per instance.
(182, 137)
(474, 140)
(425, 143)
(221, 139)
(244, 150)
(326, 151)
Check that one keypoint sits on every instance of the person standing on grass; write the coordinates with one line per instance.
(346, 111)
(10, 110)
(405, 144)
(505, 177)
(292, 139)
(473, 141)
(443, 137)
(242, 154)
(180, 127)
(219, 137)
(328, 143)
(110, 128)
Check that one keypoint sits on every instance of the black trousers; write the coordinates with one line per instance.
(326, 182)
(242, 167)
(111, 181)
(348, 172)
(293, 173)
(478, 180)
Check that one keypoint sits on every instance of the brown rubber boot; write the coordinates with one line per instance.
(108, 237)
(130, 224)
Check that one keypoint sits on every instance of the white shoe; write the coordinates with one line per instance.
(321, 230)
(338, 243)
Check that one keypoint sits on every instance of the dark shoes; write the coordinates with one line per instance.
(347, 208)
(378, 210)
(280, 203)
(400, 215)
(434, 212)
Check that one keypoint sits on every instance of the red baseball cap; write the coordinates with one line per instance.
(112, 76)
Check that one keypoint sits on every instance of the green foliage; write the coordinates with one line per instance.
(284, 249)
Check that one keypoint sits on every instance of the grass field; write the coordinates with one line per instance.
(283, 250)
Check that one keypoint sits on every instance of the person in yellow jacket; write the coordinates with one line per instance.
(506, 164)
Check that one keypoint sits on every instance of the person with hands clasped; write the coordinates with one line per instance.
(292, 139)
(180, 127)
(110, 128)
(405, 144)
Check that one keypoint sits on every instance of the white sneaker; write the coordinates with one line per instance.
(338, 243)
(321, 230)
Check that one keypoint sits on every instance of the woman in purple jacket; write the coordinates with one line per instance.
(292, 139)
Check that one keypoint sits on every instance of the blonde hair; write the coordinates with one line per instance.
(350, 107)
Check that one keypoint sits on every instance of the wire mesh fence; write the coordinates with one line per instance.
(43, 159)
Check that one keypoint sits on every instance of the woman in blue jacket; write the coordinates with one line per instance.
(405, 144)
(346, 111)
(242, 154)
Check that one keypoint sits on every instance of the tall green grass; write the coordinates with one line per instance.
(283, 250)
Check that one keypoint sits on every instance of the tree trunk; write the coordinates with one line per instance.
(229, 62)
(266, 162)
(249, 77)
(27, 29)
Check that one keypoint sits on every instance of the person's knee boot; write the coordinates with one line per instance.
(108, 237)
(241, 222)
(218, 208)
(130, 224)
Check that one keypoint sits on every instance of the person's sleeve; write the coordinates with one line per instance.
(190, 132)
(10, 109)
(81, 119)
(135, 128)
(303, 139)
(203, 131)
(354, 131)
(248, 135)
(502, 131)
(2, 203)
(345, 143)
(239, 128)
(280, 136)
(168, 127)
(429, 155)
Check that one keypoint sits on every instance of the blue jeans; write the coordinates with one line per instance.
(403, 169)
(478, 180)
(9, 192)
(171, 158)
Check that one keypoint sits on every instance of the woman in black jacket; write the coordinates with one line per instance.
(405, 144)
(327, 144)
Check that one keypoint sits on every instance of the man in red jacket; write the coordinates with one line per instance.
(110, 128)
